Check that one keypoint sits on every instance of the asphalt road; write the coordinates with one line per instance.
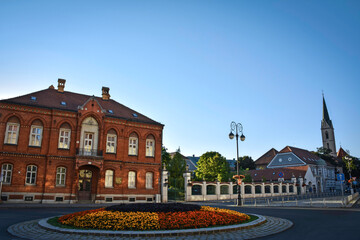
(314, 224)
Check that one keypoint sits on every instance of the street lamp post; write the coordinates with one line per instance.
(349, 161)
(238, 129)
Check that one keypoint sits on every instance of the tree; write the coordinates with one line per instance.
(212, 166)
(176, 167)
(246, 163)
(323, 151)
(165, 156)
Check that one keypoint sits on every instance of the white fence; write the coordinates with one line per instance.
(207, 191)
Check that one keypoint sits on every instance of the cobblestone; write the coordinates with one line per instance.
(31, 230)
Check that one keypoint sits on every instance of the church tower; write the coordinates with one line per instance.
(327, 131)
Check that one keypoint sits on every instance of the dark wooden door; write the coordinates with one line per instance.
(85, 177)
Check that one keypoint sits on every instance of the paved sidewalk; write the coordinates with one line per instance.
(31, 230)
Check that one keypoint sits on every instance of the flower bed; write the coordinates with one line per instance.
(153, 217)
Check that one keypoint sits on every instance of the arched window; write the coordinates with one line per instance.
(149, 180)
(257, 189)
(133, 144)
(326, 135)
(31, 172)
(150, 146)
(109, 178)
(132, 179)
(283, 189)
(267, 189)
(111, 141)
(276, 189)
(291, 188)
(64, 136)
(210, 190)
(248, 189)
(36, 133)
(235, 189)
(6, 171)
(12, 131)
(89, 137)
(60, 176)
(224, 189)
(196, 190)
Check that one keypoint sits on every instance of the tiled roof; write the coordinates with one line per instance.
(69, 101)
(273, 174)
(267, 157)
(341, 153)
(303, 154)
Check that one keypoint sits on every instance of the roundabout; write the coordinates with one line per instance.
(175, 221)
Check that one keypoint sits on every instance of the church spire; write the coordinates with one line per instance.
(326, 117)
(327, 131)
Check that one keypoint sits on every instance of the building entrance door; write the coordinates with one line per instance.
(85, 177)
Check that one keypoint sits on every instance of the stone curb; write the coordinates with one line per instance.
(161, 233)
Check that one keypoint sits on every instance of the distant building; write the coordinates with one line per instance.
(286, 175)
(60, 146)
(264, 160)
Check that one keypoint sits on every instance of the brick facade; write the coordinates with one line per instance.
(48, 157)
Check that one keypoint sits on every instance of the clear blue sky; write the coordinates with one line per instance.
(195, 66)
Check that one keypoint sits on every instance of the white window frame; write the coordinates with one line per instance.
(60, 176)
(6, 173)
(111, 143)
(150, 147)
(109, 178)
(35, 137)
(65, 143)
(149, 178)
(31, 172)
(133, 146)
(14, 135)
(132, 179)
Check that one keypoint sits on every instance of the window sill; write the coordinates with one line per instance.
(63, 148)
(149, 188)
(34, 146)
(150, 156)
(60, 186)
(11, 144)
(132, 155)
(131, 187)
(30, 185)
(109, 187)
(113, 153)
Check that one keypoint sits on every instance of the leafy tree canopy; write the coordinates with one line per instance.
(176, 167)
(246, 163)
(212, 166)
(165, 156)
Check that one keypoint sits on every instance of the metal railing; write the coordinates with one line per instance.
(89, 152)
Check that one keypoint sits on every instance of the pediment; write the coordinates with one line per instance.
(288, 159)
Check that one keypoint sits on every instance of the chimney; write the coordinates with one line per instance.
(61, 85)
(105, 93)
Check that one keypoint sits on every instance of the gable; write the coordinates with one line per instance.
(285, 160)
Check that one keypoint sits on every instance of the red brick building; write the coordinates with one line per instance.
(59, 146)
